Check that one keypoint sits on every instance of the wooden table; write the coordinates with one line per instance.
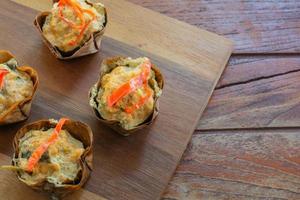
(247, 145)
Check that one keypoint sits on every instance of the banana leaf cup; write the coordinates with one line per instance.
(77, 130)
(20, 110)
(88, 46)
(107, 66)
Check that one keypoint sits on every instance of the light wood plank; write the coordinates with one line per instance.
(255, 26)
(160, 35)
(137, 167)
(258, 93)
(239, 165)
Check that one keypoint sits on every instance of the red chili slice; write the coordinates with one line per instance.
(3, 73)
(130, 86)
(79, 11)
(37, 154)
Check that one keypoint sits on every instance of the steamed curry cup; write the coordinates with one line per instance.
(125, 97)
(73, 28)
(18, 85)
(57, 163)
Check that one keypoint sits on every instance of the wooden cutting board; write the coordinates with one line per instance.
(136, 167)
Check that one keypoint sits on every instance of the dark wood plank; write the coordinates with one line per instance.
(137, 167)
(255, 26)
(243, 69)
(256, 92)
(239, 165)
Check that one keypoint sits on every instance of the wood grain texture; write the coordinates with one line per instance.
(239, 165)
(152, 33)
(243, 69)
(256, 92)
(137, 167)
(248, 164)
(255, 26)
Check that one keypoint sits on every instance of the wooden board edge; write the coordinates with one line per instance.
(201, 112)
(195, 45)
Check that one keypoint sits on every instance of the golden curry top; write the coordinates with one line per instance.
(72, 22)
(15, 85)
(128, 92)
(59, 164)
